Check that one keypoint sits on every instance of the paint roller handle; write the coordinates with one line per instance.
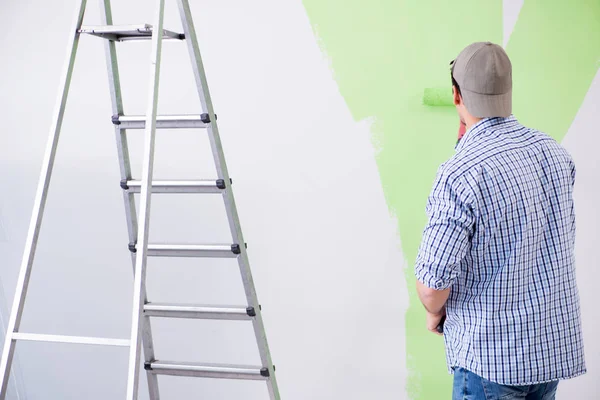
(440, 327)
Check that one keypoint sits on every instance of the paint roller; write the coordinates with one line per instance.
(438, 97)
(441, 97)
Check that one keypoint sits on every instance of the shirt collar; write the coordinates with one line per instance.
(481, 126)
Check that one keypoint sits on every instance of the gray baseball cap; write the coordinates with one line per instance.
(484, 74)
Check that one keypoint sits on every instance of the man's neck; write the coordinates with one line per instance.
(470, 121)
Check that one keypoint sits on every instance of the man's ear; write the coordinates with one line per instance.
(457, 99)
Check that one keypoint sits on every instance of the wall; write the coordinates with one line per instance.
(322, 245)
(384, 55)
(331, 155)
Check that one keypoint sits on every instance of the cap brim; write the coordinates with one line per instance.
(488, 105)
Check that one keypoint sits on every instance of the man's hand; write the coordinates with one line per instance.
(433, 320)
(435, 304)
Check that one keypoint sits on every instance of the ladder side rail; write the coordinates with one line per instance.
(234, 224)
(145, 197)
(40, 202)
(114, 83)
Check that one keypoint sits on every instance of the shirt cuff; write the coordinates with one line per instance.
(430, 280)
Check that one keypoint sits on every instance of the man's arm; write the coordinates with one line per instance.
(433, 300)
(446, 240)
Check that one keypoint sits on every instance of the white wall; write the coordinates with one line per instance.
(583, 143)
(323, 247)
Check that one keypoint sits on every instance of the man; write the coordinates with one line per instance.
(496, 265)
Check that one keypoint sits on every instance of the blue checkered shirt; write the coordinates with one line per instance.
(501, 234)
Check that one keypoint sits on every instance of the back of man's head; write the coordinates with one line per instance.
(483, 73)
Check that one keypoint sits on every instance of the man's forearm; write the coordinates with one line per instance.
(433, 300)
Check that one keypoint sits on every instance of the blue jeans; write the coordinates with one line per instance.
(468, 386)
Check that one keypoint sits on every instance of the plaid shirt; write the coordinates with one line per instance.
(501, 234)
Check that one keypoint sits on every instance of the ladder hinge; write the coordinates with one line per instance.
(115, 119)
(204, 117)
(265, 372)
(221, 183)
(123, 184)
(131, 247)
(251, 311)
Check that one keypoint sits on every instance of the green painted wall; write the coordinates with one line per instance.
(384, 53)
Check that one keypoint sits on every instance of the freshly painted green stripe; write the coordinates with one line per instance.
(555, 51)
(384, 54)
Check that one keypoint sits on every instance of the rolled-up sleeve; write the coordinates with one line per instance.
(447, 235)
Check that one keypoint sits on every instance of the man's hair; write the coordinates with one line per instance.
(454, 83)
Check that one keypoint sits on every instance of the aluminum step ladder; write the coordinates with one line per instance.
(138, 228)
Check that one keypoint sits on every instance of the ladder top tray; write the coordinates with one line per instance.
(127, 32)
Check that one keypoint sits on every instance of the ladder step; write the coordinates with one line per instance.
(186, 186)
(121, 33)
(162, 121)
(36, 337)
(198, 311)
(192, 250)
(220, 371)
